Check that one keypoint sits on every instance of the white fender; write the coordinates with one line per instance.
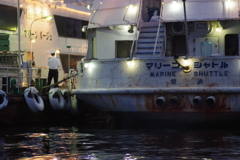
(67, 99)
(56, 99)
(3, 99)
(33, 100)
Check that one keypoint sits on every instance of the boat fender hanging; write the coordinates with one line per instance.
(56, 99)
(197, 100)
(211, 101)
(161, 101)
(3, 99)
(173, 100)
(67, 99)
(33, 100)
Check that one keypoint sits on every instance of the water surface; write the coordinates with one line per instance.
(103, 141)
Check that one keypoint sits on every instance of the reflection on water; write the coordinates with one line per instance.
(74, 142)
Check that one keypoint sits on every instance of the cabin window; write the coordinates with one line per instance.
(123, 49)
(179, 45)
(69, 27)
(8, 18)
(231, 44)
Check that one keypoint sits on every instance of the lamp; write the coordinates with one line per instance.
(130, 29)
(186, 67)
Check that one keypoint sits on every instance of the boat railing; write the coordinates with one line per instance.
(157, 37)
(16, 73)
(135, 39)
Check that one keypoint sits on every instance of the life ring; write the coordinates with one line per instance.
(3, 99)
(33, 100)
(56, 99)
(67, 99)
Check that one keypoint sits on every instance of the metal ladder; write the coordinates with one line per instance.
(150, 40)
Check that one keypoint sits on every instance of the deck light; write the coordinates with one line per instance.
(175, 5)
(131, 63)
(229, 4)
(132, 8)
(86, 65)
(130, 30)
(186, 67)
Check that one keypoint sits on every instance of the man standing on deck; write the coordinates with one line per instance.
(53, 64)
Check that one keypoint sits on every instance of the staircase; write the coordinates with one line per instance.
(147, 38)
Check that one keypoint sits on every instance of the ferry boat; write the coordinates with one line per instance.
(164, 60)
(29, 29)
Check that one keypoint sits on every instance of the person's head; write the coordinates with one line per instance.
(52, 52)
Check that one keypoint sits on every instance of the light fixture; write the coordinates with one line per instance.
(132, 8)
(131, 63)
(130, 30)
(57, 51)
(33, 40)
(186, 67)
(86, 65)
(84, 28)
(229, 4)
(176, 6)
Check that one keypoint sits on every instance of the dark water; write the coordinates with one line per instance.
(98, 140)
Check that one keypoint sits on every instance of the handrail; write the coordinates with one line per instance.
(135, 36)
(159, 25)
(165, 33)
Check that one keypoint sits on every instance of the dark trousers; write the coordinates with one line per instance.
(53, 73)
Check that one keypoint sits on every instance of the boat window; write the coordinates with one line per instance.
(123, 49)
(8, 18)
(179, 45)
(69, 27)
(231, 44)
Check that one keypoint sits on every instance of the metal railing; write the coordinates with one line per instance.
(135, 40)
(15, 72)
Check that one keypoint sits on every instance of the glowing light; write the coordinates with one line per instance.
(84, 28)
(218, 29)
(33, 40)
(229, 4)
(54, 6)
(86, 65)
(48, 18)
(132, 8)
(57, 51)
(131, 64)
(176, 6)
(186, 62)
(88, 7)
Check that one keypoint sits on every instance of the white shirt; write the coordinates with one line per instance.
(53, 63)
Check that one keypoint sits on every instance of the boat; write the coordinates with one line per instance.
(29, 29)
(163, 60)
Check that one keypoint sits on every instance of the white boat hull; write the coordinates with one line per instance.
(137, 92)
